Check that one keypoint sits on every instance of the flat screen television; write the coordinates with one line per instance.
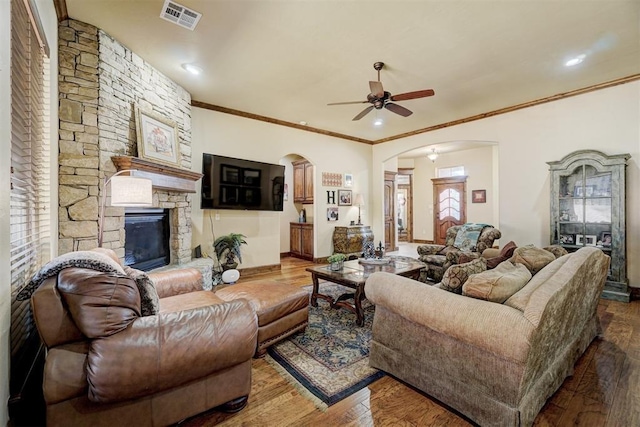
(230, 183)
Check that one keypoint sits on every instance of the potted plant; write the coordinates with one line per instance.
(336, 261)
(228, 250)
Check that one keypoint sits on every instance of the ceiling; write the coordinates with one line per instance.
(288, 59)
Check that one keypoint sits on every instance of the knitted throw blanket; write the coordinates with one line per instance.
(468, 235)
(80, 259)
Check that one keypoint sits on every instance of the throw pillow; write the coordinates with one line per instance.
(149, 301)
(535, 259)
(556, 250)
(457, 274)
(505, 253)
(499, 284)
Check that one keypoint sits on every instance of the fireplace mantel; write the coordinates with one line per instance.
(163, 177)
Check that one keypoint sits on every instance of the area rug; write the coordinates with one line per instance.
(330, 359)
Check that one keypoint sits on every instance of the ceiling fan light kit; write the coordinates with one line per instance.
(379, 98)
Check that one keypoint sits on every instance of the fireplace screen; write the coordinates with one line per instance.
(146, 238)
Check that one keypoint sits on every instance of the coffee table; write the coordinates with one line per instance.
(354, 274)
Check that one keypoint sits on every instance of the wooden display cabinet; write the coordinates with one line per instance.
(588, 202)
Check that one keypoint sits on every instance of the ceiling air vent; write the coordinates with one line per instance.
(180, 15)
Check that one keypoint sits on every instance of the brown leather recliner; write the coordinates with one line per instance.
(107, 365)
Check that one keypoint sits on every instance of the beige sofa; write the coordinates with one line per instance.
(495, 363)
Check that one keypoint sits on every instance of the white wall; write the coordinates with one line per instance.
(234, 136)
(605, 120)
(50, 25)
(479, 166)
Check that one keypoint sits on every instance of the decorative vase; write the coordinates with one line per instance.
(337, 266)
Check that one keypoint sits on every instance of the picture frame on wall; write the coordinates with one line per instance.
(157, 138)
(332, 214)
(344, 197)
(348, 180)
(479, 196)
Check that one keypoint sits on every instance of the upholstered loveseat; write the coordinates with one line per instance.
(440, 257)
(108, 363)
(495, 363)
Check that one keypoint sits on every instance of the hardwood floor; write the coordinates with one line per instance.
(604, 390)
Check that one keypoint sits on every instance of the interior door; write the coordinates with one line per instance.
(389, 211)
(449, 207)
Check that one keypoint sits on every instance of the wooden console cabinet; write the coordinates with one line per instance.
(349, 240)
(301, 240)
(302, 182)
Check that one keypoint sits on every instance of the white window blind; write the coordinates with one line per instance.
(30, 165)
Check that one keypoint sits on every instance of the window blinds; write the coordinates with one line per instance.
(30, 166)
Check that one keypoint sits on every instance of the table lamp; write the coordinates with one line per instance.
(359, 201)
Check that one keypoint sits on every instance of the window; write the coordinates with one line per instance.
(450, 204)
(30, 167)
(452, 171)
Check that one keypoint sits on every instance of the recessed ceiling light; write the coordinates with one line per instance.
(193, 69)
(575, 61)
(377, 122)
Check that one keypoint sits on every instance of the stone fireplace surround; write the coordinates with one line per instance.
(100, 82)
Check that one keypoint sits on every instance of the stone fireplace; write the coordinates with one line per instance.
(100, 83)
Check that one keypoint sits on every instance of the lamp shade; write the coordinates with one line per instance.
(359, 201)
(131, 191)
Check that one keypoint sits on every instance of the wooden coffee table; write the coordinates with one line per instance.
(354, 274)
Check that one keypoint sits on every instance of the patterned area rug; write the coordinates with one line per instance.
(330, 359)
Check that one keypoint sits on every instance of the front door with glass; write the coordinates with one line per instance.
(449, 207)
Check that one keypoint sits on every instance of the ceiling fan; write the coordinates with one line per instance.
(379, 98)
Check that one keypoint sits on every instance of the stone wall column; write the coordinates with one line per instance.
(78, 157)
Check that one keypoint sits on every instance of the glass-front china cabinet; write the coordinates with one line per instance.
(588, 209)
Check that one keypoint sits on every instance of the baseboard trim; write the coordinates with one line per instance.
(426, 242)
(252, 271)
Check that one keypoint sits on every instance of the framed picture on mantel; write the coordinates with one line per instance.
(157, 138)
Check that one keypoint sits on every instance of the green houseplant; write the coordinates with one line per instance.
(228, 249)
(336, 261)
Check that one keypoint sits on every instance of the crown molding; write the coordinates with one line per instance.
(61, 10)
(271, 120)
(505, 110)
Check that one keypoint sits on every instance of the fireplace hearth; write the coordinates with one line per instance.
(147, 236)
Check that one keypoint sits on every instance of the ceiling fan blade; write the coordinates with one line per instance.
(398, 109)
(363, 113)
(376, 89)
(348, 102)
(413, 95)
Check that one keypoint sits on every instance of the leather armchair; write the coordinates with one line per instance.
(106, 363)
(440, 257)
